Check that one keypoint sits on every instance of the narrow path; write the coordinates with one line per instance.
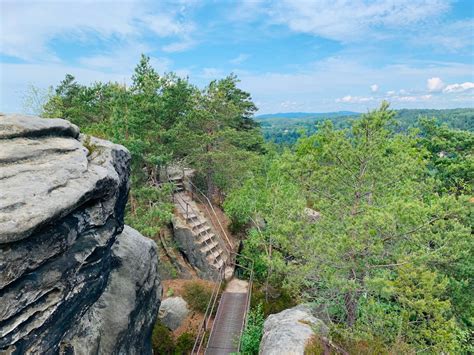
(229, 320)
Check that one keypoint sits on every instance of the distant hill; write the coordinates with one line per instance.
(285, 128)
(306, 114)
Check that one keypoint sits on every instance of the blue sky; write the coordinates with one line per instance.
(293, 55)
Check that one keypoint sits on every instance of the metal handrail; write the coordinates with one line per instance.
(231, 261)
(188, 207)
(231, 246)
(203, 327)
(208, 314)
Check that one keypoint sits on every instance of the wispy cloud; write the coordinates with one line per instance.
(354, 20)
(467, 86)
(179, 46)
(242, 57)
(28, 28)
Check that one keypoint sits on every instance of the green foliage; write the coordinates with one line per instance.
(184, 344)
(252, 335)
(452, 156)
(161, 119)
(163, 343)
(197, 296)
(162, 340)
(272, 302)
(285, 131)
(389, 261)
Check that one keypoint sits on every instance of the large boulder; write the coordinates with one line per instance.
(288, 332)
(173, 311)
(62, 254)
(105, 328)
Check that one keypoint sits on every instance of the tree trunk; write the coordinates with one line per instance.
(350, 302)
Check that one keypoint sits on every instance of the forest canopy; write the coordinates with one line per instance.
(388, 262)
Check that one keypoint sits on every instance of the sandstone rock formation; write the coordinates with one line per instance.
(287, 332)
(173, 311)
(70, 280)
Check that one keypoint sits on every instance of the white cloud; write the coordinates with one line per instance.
(318, 86)
(165, 25)
(374, 88)
(211, 73)
(179, 46)
(355, 99)
(347, 21)
(454, 37)
(29, 27)
(410, 98)
(435, 84)
(242, 57)
(459, 87)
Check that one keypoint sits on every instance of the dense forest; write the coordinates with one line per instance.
(388, 264)
(285, 129)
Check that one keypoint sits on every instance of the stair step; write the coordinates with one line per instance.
(208, 247)
(198, 224)
(202, 239)
(174, 178)
(215, 254)
(203, 233)
(218, 264)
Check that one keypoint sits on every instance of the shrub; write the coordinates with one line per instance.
(170, 292)
(197, 296)
(184, 343)
(161, 340)
(253, 332)
(276, 303)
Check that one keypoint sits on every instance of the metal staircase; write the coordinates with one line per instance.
(219, 334)
(209, 244)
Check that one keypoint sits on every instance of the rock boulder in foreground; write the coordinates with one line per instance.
(72, 279)
(288, 332)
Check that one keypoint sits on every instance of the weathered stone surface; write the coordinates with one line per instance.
(61, 209)
(173, 311)
(46, 176)
(185, 239)
(287, 332)
(107, 328)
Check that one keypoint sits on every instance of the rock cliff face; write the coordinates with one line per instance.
(72, 279)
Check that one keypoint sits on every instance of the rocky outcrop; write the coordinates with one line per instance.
(186, 241)
(70, 280)
(173, 311)
(287, 332)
